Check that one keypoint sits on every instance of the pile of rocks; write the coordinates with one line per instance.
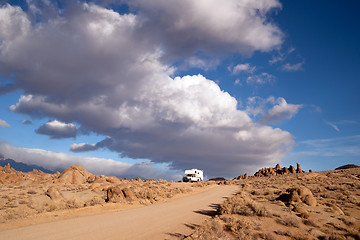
(245, 176)
(298, 195)
(265, 172)
(116, 194)
(277, 170)
(75, 174)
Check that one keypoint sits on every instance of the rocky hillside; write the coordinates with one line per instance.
(28, 194)
(317, 205)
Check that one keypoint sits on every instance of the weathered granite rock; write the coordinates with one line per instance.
(265, 172)
(296, 195)
(75, 174)
(116, 194)
(54, 194)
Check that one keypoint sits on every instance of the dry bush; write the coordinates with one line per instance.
(74, 203)
(32, 191)
(311, 223)
(301, 237)
(289, 222)
(238, 226)
(349, 221)
(266, 236)
(211, 230)
(156, 191)
(243, 205)
(333, 236)
(284, 233)
(23, 202)
(201, 184)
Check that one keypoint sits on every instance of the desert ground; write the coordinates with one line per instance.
(316, 205)
(277, 203)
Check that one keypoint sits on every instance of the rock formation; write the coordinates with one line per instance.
(116, 194)
(265, 172)
(298, 195)
(54, 194)
(75, 174)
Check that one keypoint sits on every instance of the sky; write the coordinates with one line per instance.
(150, 88)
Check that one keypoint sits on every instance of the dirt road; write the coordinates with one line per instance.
(167, 220)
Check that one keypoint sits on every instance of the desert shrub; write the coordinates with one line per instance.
(348, 221)
(301, 237)
(255, 192)
(23, 202)
(309, 222)
(156, 191)
(304, 215)
(333, 236)
(243, 205)
(237, 226)
(94, 201)
(266, 236)
(284, 233)
(353, 199)
(32, 191)
(211, 230)
(289, 222)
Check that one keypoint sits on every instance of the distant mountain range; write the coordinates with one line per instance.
(23, 167)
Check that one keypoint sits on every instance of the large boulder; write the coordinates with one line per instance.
(117, 194)
(129, 194)
(54, 194)
(298, 168)
(75, 174)
(296, 195)
(292, 169)
(114, 194)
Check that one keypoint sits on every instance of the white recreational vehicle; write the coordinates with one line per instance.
(193, 175)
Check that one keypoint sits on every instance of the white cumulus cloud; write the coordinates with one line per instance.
(281, 111)
(271, 110)
(245, 67)
(112, 74)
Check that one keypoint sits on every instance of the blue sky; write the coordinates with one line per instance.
(225, 87)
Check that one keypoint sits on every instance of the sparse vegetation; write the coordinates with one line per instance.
(56, 192)
(258, 211)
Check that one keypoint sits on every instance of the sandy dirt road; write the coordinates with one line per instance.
(167, 220)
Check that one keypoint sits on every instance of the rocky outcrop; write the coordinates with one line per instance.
(54, 194)
(75, 174)
(245, 176)
(117, 194)
(277, 170)
(297, 195)
(129, 194)
(265, 172)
